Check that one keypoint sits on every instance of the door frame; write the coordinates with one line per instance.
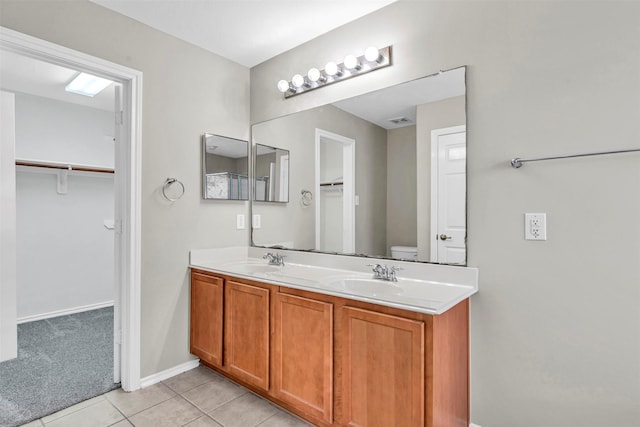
(435, 136)
(128, 162)
(348, 188)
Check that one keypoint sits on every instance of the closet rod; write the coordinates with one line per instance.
(517, 162)
(64, 167)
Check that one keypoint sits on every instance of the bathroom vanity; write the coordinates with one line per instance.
(321, 338)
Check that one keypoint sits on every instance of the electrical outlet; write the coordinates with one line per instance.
(240, 222)
(535, 226)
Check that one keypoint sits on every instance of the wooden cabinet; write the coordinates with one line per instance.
(382, 369)
(334, 361)
(246, 340)
(206, 318)
(302, 354)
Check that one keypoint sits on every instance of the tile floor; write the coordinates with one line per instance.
(197, 398)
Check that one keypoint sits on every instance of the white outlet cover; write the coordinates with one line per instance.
(535, 226)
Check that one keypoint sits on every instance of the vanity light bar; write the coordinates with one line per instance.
(372, 59)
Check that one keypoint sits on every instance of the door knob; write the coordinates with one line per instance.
(445, 237)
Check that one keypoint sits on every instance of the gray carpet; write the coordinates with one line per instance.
(61, 361)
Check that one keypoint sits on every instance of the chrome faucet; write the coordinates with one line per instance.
(385, 272)
(274, 259)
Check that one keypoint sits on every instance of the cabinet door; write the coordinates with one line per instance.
(206, 318)
(382, 370)
(303, 354)
(247, 333)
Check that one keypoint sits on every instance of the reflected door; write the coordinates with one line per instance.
(448, 194)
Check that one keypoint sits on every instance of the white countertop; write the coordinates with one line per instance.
(421, 287)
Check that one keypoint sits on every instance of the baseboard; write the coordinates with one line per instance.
(168, 373)
(473, 425)
(64, 312)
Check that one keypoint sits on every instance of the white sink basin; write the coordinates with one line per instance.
(298, 273)
(250, 267)
(365, 286)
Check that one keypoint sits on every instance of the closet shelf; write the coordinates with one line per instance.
(63, 166)
(331, 184)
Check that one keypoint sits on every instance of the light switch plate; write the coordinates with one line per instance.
(256, 221)
(240, 222)
(535, 226)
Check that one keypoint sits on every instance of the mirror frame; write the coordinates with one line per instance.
(361, 255)
(203, 142)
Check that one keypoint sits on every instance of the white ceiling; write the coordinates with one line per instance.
(246, 31)
(402, 100)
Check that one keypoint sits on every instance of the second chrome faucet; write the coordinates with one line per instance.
(384, 272)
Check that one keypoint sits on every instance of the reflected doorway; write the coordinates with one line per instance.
(335, 189)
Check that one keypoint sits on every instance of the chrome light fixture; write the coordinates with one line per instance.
(351, 66)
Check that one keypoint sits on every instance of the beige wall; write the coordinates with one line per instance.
(555, 328)
(436, 115)
(401, 187)
(293, 223)
(216, 163)
(186, 92)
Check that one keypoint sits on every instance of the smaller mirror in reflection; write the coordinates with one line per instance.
(271, 168)
(225, 164)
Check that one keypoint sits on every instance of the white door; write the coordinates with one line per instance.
(448, 195)
(8, 306)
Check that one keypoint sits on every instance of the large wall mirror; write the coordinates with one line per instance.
(386, 170)
(225, 168)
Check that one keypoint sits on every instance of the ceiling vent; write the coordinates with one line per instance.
(400, 121)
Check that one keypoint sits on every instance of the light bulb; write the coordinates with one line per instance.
(283, 86)
(332, 69)
(313, 75)
(372, 54)
(351, 62)
(297, 81)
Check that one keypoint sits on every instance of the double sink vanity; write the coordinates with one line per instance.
(338, 339)
(324, 339)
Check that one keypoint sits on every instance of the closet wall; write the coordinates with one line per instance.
(65, 253)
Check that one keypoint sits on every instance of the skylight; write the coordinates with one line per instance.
(87, 85)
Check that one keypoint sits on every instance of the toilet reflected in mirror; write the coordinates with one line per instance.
(409, 253)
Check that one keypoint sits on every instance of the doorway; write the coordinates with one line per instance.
(127, 210)
(448, 195)
(335, 187)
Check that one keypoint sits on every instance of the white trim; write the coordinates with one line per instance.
(348, 188)
(64, 312)
(435, 134)
(8, 287)
(128, 165)
(168, 373)
(473, 425)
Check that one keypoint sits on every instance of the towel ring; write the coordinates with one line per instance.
(307, 197)
(167, 185)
